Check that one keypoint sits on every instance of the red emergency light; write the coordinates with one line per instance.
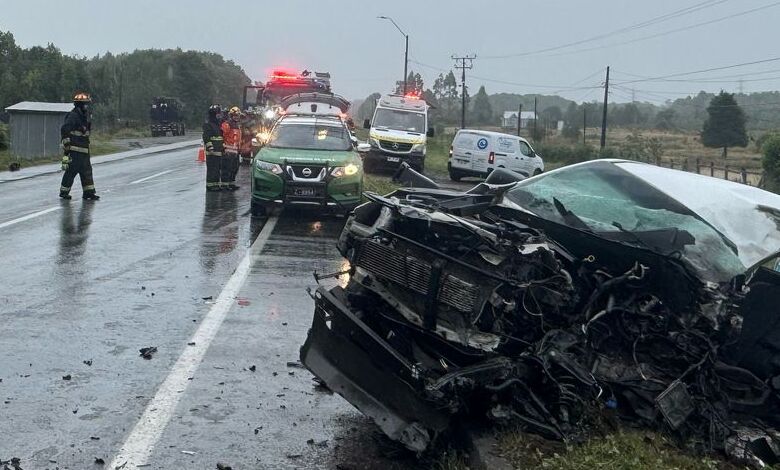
(412, 96)
(283, 74)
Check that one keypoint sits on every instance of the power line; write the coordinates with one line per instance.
(712, 69)
(668, 16)
(672, 31)
(504, 82)
(734, 76)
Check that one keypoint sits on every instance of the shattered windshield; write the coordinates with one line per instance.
(310, 137)
(607, 200)
(400, 120)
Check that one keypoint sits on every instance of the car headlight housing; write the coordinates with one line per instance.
(348, 170)
(269, 167)
(418, 148)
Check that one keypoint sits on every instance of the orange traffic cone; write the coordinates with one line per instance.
(201, 154)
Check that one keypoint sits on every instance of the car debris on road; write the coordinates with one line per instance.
(605, 285)
(148, 352)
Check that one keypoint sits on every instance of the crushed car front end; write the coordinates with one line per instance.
(474, 304)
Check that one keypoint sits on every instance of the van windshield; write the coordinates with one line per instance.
(399, 120)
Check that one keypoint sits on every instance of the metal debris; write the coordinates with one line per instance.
(148, 352)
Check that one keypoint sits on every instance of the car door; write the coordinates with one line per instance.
(505, 152)
(526, 160)
(470, 151)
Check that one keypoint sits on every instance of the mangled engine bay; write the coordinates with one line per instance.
(458, 306)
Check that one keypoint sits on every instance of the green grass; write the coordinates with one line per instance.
(125, 133)
(97, 147)
(624, 450)
(379, 184)
(437, 155)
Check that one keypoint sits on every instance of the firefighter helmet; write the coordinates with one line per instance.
(234, 113)
(215, 110)
(82, 97)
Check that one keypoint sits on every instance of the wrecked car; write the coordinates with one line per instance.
(604, 285)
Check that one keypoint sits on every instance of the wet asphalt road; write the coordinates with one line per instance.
(86, 285)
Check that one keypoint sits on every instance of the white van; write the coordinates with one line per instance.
(477, 153)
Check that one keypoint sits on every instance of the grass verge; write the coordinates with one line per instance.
(625, 450)
(97, 147)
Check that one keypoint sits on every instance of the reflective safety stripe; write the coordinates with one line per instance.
(79, 133)
(73, 148)
(64, 189)
(213, 153)
(212, 185)
(89, 187)
(66, 141)
(216, 138)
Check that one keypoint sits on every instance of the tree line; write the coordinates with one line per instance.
(122, 85)
(685, 114)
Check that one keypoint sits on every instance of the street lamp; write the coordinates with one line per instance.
(406, 53)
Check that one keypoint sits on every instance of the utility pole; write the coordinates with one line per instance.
(584, 123)
(461, 63)
(406, 63)
(406, 51)
(604, 114)
(536, 118)
(519, 118)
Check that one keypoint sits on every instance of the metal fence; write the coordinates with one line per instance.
(731, 173)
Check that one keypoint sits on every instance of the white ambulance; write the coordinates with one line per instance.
(398, 132)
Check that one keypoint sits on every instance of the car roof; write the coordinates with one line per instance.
(490, 133)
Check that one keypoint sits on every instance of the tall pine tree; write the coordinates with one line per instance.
(725, 126)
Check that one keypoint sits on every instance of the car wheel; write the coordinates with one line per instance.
(455, 176)
(368, 166)
(258, 210)
(537, 172)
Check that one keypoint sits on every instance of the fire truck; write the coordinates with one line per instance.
(262, 102)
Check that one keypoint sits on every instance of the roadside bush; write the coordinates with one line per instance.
(640, 148)
(771, 163)
(566, 154)
(3, 136)
(763, 138)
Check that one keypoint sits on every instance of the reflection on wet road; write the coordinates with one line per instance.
(86, 285)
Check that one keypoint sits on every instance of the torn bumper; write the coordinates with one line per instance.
(355, 362)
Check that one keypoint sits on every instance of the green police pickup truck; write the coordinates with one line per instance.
(308, 159)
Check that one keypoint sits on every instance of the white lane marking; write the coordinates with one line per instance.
(140, 443)
(28, 217)
(150, 177)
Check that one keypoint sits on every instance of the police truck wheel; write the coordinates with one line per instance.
(454, 175)
(258, 210)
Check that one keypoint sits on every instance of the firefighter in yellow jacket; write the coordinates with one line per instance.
(75, 148)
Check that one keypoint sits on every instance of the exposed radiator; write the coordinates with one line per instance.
(415, 274)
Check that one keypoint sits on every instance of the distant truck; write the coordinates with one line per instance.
(165, 116)
(398, 132)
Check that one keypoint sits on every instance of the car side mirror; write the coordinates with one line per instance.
(363, 147)
(431, 132)
(367, 124)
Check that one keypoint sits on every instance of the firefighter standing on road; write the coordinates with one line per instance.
(75, 148)
(214, 148)
(231, 133)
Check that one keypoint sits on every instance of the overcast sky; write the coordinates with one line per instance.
(365, 54)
